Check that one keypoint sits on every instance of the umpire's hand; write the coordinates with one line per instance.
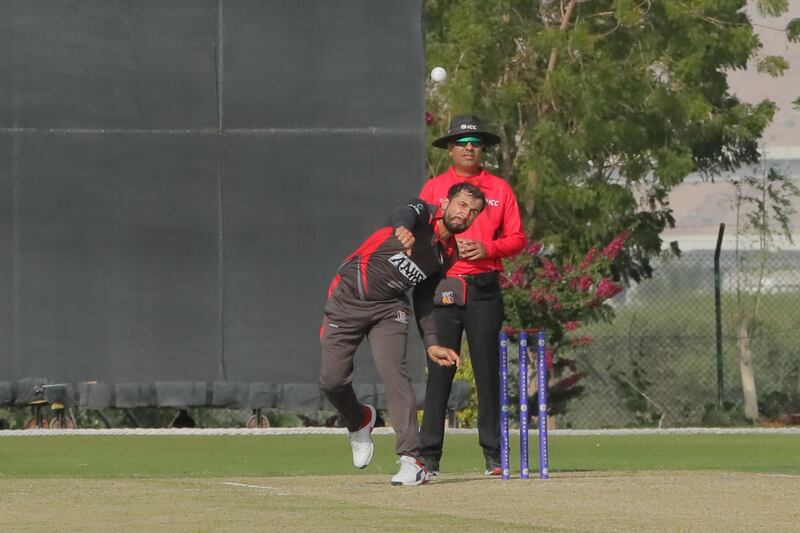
(443, 356)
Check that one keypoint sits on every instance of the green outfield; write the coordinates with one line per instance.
(661, 482)
(298, 455)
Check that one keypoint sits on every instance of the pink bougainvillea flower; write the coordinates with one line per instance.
(519, 278)
(589, 258)
(607, 289)
(538, 296)
(568, 382)
(580, 341)
(612, 250)
(550, 270)
(534, 247)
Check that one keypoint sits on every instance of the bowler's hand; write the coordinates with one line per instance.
(443, 356)
(405, 237)
(471, 250)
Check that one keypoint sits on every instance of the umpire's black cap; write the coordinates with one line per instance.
(466, 126)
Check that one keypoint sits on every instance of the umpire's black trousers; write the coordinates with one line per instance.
(481, 318)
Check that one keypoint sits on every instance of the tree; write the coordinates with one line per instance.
(560, 297)
(763, 209)
(603, 106)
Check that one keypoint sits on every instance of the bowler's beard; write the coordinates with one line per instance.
(454, 227)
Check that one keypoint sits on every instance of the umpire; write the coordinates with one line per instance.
(495, 234)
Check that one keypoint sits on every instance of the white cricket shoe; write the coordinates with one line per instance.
(361, 441)
(412, 472)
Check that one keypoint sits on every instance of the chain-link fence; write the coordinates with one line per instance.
(657, 363)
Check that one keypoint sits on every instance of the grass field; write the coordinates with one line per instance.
(306, 483)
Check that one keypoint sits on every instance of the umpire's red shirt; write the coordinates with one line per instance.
(498, 227)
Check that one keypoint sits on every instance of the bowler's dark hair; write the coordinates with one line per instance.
(469, 189)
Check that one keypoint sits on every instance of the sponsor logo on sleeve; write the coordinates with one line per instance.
(416, 207)
(407, 268)
(493, 202)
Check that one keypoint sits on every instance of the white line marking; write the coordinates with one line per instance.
(262, 487)
(265, 432)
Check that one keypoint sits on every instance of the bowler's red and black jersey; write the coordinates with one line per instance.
(379, 269)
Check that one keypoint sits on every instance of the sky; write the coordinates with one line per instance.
(699, 205)
(750, 86)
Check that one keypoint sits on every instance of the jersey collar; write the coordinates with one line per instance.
(448, 244)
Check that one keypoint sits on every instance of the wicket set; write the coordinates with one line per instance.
(541, 376)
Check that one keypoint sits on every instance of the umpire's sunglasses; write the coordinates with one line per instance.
(474, 141)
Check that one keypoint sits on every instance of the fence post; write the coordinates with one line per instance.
(718, 313)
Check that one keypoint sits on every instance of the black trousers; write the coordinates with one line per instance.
(481, 319)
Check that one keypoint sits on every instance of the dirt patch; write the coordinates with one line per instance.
(667, 501)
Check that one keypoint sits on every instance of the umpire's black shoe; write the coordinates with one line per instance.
(493, 466)
(431, 465)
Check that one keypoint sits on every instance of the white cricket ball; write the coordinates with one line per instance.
(438, 74)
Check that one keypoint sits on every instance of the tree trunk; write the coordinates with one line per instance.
(746, 370)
